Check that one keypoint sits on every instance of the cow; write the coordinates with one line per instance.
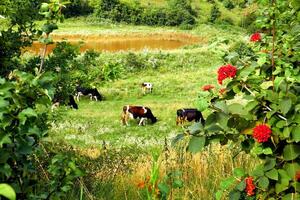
(91, 92)
(147, 87)
(135, 112)
(59, 100)
(189, 114)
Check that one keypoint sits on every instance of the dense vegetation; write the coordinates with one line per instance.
(87, 154)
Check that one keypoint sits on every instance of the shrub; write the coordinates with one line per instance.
(248, 22)
(228, 4)
(178, 12)
(214, 13)
(77, 8)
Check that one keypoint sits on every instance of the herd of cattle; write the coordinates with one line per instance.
(137, 112)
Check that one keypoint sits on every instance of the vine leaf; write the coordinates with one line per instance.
(291, 152)
(7, 191)
(196, 144)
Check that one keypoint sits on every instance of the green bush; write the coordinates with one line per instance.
(177, 13)
(248, 22)
(214, 13)
(77, 8)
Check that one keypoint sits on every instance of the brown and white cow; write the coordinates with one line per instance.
(134, 112)
(189, 114)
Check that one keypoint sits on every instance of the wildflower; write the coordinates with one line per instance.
(250, 187)
(222, 91)
(255, 37)
(226, 71)
(207, 87)
(297, 176)
(141, 185)
(262, 133)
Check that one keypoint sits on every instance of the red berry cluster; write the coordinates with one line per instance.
(227, 71)
(255, 37)
(250, 187)
(207, 87)
(262, 133)
(297, 176)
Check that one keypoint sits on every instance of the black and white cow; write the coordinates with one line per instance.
(189, 114)
(91, 92)
(57, 101)
(135, 112)
(147, 87)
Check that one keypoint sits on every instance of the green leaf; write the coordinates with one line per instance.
(269, 164)
(164, 188)
(285, 105)
(28, 112)
(258, 171)
(291, 169)
(263, 182)
(236, 108)
(228, 182)
(177, 183)
(290, 196)
(272, 174)
(195, 128)
(277, 82)
(291, 152)
(219, 195)
(7, 191)
(283, 182)
(3, 103)
(261, 60)
(265, 85)
(196, 144)
(4, 139)
(296, 133)
(234, 195)
(238, 172)
(241, 186)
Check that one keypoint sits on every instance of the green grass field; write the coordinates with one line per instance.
(116, 170)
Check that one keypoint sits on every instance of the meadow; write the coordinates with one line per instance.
(117, 158)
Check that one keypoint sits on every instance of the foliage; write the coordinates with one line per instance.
(25, 98)
(20, 15)
(177, 13)
(77, 8)
(214, 13)
(60, 64)
(260, 108)
(228, 4)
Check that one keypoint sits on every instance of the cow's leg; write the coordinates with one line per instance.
(178, 120)
(95, 98)
(124, 118)
(78, 96)
(141, 121)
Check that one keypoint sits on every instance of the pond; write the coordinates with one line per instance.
(124, 42)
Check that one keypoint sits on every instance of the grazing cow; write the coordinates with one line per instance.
(57, 101)
(135, 112)
(189, 114)
(147, 87)
(92, 92)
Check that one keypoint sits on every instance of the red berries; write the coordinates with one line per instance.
(255, 37)
(250, 187)
(262, 133)
(227, 71)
